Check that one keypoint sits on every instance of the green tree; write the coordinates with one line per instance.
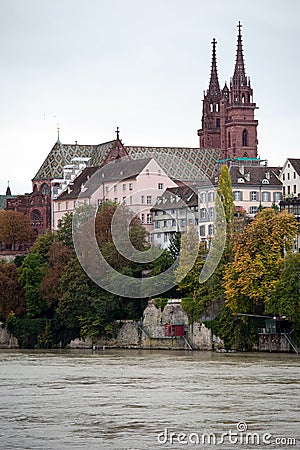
(43, 244)
(31, 274)
(64, 232)
(286, 299)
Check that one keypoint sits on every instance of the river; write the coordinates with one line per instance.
(131, 399)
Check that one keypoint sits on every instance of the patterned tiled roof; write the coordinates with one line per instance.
(59, 156)
(178, 163)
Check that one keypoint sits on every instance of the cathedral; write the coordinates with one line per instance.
(228, 133)
(228, 121)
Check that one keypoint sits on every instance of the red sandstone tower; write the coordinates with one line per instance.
(228, 119)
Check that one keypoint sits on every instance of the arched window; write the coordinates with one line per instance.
(244, 138)
(229, 140)
(243, 98)
(36, 216)
(45, 189)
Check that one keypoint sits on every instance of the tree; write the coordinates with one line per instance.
(42, 245)
(174, 245)
(31, 274)
(58, 258)
(258, 254)
(15, 228)
(64, 232)
(286, 299)
(11, 293)
(225, 193)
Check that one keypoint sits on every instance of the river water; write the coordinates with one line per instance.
(119, 399)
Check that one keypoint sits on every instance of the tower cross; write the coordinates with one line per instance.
(117, 132)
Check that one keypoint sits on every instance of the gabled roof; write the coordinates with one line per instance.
(176, 197)
(177, 162)
(118, 170)
(254, 175)
(296, 164)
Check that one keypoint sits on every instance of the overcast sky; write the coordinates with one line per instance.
(142, 65)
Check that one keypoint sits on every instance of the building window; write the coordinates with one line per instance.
(149, 219)
(253, 210)
(67, 206)
(266, 197)
(210, 230)
(173, 223)
(283, 176)
(253, 196)
(156, 224)
(211, 213)
(124, 200)
(158, 235)
(124, 187)
(202, 230)
(130, 186)
(106, 189)
(115, 200)
(288, 175)
(218, 123)
(115, 188)
(202, 197)
(229, 140)
(244, 138)
(277, 196)
(58, 206)
(211, 197)
(289, 190)
(295, 189)
(149, 200)
(203, 213)
(238, 195)
(74, 204)
(143, 218)
(182, 222)
(160, 185)
(142, 199)
(165, 223)
(294, 175)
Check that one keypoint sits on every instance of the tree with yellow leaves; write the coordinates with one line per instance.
(258, 254)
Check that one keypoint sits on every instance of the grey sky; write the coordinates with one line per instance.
(142, 65)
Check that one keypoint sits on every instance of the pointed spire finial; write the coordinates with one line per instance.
(214, 87)
(8, 191)
(240, 27)
(118, 133)
(58, 128)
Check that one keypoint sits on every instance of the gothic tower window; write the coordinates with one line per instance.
(244, 138)
(218, 123)
(229, 140)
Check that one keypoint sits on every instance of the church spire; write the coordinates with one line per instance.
(214, 87)
(239, 77)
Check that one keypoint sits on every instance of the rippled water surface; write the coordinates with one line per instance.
(117, 399)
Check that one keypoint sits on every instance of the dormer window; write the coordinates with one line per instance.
(265, 181)
(241, 180)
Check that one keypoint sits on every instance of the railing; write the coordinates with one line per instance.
(291, 342)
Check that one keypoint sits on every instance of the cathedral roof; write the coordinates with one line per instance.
(177, 162)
